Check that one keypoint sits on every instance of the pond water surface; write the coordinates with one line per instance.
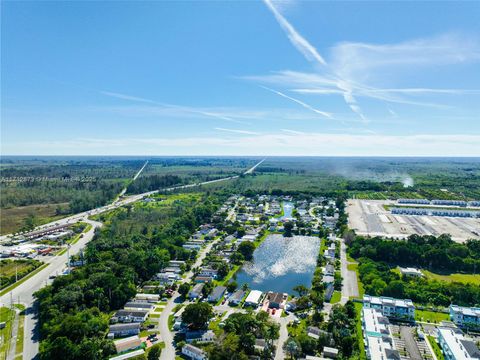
(279, 263)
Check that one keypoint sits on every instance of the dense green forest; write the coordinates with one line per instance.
(435, 253)
(378, 259)
(135, 243)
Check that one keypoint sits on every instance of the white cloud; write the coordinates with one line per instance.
(305, 105)
(295, 38)
(236, 131)
(353, 65)
(312, 144)
(362, 61)
(293, 132)
(171, 106)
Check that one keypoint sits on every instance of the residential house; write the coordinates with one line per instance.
(409, 271)
(196, 292)
(200, 336)
(129, 316)
(330, 353)
(276, 300)
(137, 305)
(203, 279)
(208, 272)
(216, 294)
(127, 344)
(153, 298)
(193, 352)
(236, 297)
(253, 298)
(120, 330)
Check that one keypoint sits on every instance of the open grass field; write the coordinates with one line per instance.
(8, 268)
(461, 278)
(12, 219)
(430, 316)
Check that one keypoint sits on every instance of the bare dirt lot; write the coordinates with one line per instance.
(369, 217)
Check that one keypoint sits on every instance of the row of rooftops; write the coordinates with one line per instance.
(439, 202)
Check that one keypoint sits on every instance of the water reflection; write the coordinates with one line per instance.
(279, 263)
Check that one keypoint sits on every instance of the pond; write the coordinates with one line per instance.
(287, 210)
(279, 264)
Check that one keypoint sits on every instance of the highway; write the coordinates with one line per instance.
(24, 292)
(134, 178)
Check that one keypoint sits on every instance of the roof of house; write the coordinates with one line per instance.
(193, 349)
(217, 292)
(128, 343)
(121, 327)
(138, 305)
(237, 295)
(134, 313)
(275, 297)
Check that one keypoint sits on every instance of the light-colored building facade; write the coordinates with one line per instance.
(393, 308)
(456, 346)
(377, 338)
(465, 316)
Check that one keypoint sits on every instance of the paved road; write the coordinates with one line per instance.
(168, 353)
(134, 178)
(283, 321)
(410, 344)
(24, 292)
(349, 282)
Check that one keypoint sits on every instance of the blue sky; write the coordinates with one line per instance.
(241, 78)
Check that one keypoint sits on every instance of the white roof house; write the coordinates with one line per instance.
(253, 299)
(409, 271)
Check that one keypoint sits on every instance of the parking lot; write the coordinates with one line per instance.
(370, 217)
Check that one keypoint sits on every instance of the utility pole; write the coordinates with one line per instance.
(68, 258)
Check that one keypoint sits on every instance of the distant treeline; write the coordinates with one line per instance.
(152, 182)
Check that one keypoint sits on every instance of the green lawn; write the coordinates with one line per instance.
(6, 315)
(19, 344)
(430, 316)
(336, 297)
(436, 348)
(462, 278)
(153, 315)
